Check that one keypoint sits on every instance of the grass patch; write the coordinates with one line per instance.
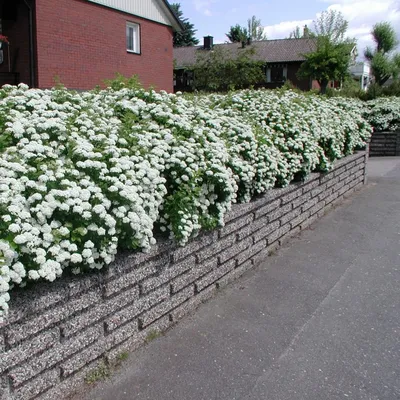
(152, 335)
(98, 374)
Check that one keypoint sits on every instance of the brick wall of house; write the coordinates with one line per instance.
(83, 44)
(18, 34)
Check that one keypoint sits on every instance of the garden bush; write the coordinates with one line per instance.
(85, 174)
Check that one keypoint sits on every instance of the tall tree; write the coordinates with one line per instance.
(187, 36)
(333, 54)
(332, 25)
(383, 63)
(297, 33)
(254, 31)
(237, 34)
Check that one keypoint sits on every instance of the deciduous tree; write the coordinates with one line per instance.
(383, 63)
(333, 54)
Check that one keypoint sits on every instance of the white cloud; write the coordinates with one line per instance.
(203, 6)
(283, 29)
(361, 14)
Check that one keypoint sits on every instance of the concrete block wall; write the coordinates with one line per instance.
(57, 333)
(384, 144)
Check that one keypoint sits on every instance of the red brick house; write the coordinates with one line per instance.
(83, 42)
(282, 57)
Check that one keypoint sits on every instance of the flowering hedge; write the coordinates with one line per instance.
(384, 113)
(82, 175)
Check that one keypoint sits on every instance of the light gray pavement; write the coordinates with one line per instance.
(320, 320)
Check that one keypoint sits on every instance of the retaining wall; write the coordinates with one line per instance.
(57, 333)
(385, 144)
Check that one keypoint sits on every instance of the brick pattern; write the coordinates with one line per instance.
(385, 144)
(58, 333)
(83, 44)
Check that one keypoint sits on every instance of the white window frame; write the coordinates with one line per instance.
(133, 46)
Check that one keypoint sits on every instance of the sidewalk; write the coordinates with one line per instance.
(320, 320)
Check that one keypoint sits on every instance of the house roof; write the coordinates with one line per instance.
(271, 51)
(154, 10)
(176, 22)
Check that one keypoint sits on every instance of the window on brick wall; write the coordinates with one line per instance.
(132, 37)
(276, 73)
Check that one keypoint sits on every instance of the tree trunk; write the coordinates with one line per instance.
(323, 85)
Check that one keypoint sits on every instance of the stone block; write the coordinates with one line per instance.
(130, 278)
(38, 385)
(289, 216)
(298, 220)
(25, 350)
(54, 355)
(263, 233)
(122, 333)
(276, 214)
(278, 233)
(215, 248)
(330, 198)
(166, 306)
(250, 252)
(37, 299)
(214, 275)
(99, 311)
(231, 252)
(253, 227)
(260, 212)
(20, 331)
(301, 200)
(236, 224)
(310, 203)
(339, 171)
(318, 190)
(325, 194)
(190, 276)
(133, 310)
(311, 183)
(292, 196)
(168, 274)
(203, 240)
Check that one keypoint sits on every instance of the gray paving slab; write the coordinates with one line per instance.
(319, 320)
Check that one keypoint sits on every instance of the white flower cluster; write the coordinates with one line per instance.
(383, 113)
(82, 175)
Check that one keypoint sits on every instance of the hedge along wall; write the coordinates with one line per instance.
(57, 333)
(385, 144)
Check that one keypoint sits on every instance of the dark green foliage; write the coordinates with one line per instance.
(329, 62)
(237, 34)
(333, 55)
(383, 65)
(187, 36)
(218, 71)
(254, 31)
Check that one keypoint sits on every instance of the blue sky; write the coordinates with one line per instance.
(214, 17)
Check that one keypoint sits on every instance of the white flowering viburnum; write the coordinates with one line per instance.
(383, 114)
(82, 175)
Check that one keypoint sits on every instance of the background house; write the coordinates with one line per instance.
(282, 57)
(361, 72)
(83, 42)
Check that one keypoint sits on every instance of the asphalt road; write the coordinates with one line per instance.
(320, 320)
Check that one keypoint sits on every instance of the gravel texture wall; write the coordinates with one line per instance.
(57, 333)
(385, 144)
